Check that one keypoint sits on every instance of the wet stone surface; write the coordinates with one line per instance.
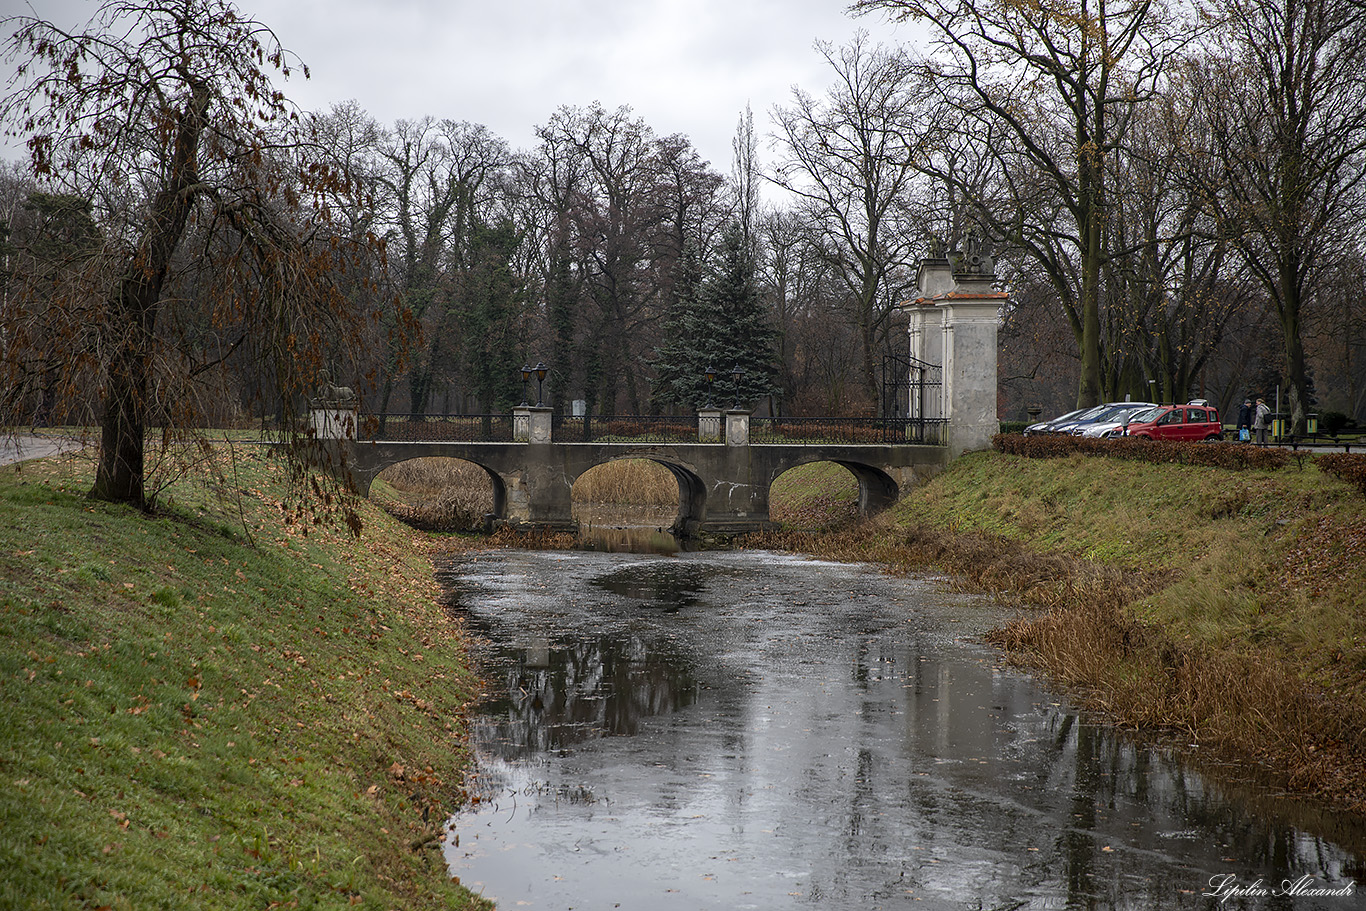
(756, 730)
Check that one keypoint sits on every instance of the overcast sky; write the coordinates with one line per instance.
(685, 66)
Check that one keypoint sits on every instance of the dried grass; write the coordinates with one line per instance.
(439, 494)
(627, 482)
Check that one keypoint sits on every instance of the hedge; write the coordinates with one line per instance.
(1349, 467)
(1235, 456)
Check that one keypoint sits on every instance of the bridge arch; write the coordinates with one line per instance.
(877, 489)
(692, 490)
(498, 485)
(723, 489)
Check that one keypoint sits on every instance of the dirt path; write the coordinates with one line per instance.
(22, 448)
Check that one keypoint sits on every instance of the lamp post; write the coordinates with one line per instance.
(526, 375)
(737, 373)
(540, 371)
(710, 375)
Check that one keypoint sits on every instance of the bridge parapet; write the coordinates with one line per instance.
(734, 427)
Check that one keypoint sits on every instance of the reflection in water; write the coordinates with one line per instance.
(754, 730)
(558, 694)
(670, 584)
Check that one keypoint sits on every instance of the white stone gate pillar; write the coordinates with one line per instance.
(954, 324)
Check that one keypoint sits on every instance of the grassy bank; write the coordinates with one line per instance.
(222, 706)
(1227, 606)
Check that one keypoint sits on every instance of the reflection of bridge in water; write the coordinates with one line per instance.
(724, 463)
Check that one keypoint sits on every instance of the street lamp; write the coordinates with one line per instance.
(710, 375)
(526, 375)
(541, 371)
(737, 373)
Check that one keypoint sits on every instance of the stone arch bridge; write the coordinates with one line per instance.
(723, 475)
(723, 487)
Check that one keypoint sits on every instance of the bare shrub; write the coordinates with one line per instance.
(1233, 456)
(1348, 467)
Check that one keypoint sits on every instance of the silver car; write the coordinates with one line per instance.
(1113, 423)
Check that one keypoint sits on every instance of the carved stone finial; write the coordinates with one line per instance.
(971, 261)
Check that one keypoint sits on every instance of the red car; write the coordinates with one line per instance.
(1178, 422)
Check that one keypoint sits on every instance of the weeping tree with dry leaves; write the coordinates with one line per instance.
(219, 253)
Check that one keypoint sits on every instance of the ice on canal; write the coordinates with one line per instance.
(756, 730)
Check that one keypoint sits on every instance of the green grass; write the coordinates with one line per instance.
(225, 706)
(1261, 555)
(817, 495)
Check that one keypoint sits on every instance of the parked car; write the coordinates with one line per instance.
(1046, 426)
(1112, 423)
(1178, 422)
(1065, 424)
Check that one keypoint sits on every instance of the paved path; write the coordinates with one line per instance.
(22, 448)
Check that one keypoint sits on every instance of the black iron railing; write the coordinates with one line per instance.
(498, 428)
(438, 428)
(847, 430)
(651, 428)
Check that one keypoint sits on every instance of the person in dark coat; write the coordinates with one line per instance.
(1245, 421)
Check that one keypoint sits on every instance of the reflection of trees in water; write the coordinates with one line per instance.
(876, 761)
(1115, 782)
(665, 584)
(556, 696)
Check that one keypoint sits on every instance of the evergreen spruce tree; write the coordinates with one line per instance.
(743, 335)
(681, 360)
(491, 304)
(719, 323)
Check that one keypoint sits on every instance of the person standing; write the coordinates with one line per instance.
(1259, 421)
(1245, 421)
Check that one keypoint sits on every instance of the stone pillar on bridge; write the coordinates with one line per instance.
(531, 424)
(333, 423)
(954, 324)
(737, 427)
(709, 425)
(538, 492)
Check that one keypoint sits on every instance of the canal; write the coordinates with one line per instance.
(729, 730)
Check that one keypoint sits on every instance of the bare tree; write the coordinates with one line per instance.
(163, 115)
(1289, 124)
(852, 159)
(1050, 90)
(1173, 293)
(442, 180)
(621, 203)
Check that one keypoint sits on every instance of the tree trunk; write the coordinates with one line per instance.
(1295, 374)
(119, 475)
(120, 472)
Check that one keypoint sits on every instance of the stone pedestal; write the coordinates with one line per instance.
(970, 372)
(333, 423)
(709, 425)
(737, 427)
(531, 424)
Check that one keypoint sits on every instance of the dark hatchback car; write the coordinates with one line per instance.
(1178, 422)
